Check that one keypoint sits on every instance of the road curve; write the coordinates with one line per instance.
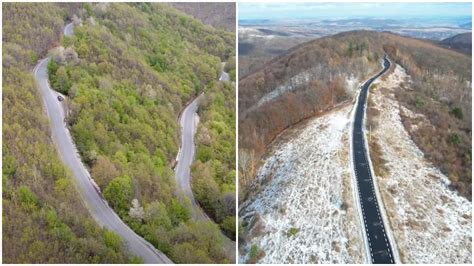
(224, 76)
(189, 122)
(376, 237)
(69, 29)
(97, 206)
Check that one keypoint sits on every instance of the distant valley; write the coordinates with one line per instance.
(261, 40)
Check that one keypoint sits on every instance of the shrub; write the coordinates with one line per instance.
(455, 139)
(27, 198)
(112, 240)
(253, 254)
(419, 102)
(293, 231)
(228, 225)
(457, 112)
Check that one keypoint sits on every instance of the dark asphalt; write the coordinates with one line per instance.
(379, 245)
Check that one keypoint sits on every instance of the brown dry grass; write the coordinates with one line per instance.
(376, 154)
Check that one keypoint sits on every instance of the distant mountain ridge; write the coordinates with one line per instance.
(467, 25)
(460, 42)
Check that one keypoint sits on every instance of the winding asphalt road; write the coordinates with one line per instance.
(97, 206)
(189, 121)
(378, 243)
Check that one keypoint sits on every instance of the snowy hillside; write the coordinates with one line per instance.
(304, 212)
(431, 223)
(303, 209)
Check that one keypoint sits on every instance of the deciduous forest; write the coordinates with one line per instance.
(214, 175)
(43, 218)
(126, 73)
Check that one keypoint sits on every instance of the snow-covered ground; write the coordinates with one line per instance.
(430, 222)
(295, 81)
(301, 79)
(303, 208)
(304, 212)
(352, 84)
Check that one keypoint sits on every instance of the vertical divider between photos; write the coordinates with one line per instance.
(237, 132)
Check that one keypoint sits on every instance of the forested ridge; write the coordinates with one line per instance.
(43, 220)
(441, 91)
(127, 72)
(219, 15)
(312, 77)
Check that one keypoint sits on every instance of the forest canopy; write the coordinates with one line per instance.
(43, 220)
(126, 73)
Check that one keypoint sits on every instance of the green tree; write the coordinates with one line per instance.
(112, 240)
(52, 69)
(228, 225)
(179, 212)
(27, 198)
(62, 83)
(457, 112)
(119, 193)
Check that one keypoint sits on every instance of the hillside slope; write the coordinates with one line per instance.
(218, 15)
(43, 219)
(127, 72)
(138, 64)
(431, 223)
(460, 42)
(301, 209)
(319, 74)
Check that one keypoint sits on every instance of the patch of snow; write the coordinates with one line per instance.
(244, 29)
(304, 212)
(352, 84)
(301, 79)
(430, 222)
(295, 81)
(261, 36)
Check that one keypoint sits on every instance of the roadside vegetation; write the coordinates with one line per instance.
(373, 120)
(441, 90)
(214, 175)
(43, 220)
(230, 67)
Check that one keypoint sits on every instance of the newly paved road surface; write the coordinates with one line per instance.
(99, 209)
(379, 245)
(189, 122)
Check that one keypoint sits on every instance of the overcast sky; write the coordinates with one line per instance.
(351, 10)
